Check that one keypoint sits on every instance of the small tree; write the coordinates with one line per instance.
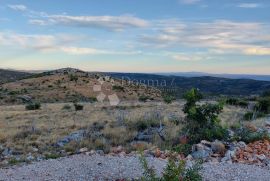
(202, 120)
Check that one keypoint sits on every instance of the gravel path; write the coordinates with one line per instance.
(234, 172)
(99, 168)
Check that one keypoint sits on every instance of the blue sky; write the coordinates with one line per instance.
(224, 36)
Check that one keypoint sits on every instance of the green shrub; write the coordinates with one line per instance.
(14, 161)
(237, 102)
(144, 98)
(202, 120)
(66, 107)
(248, 116)
(93, 99)
(243, 103)
(264, 105)
(33, 106)
(174, 171)
(193, 173)
(143, 124)
(183, 148)
(232, 101)
(73, 77)
(13, 92)
(78, 107)
(168, 99)
(248, 136)
(118, 88)
(52, 156)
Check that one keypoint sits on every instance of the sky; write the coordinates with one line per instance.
(214, 36)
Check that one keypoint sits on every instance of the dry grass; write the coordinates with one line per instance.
(119, 135)
(23, 130)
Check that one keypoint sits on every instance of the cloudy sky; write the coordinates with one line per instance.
(216, 36)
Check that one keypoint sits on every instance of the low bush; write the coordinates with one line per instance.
(183, 148)
(248, 136)
(78, 107)
(52, 156)
(250, 115)
(67, 107)
(174, 171)
(264, 105)
(142, 124)
(144, 98)
(92, 99)
(168, 99)
(33, 106)
(73, 77)
(118, 88)
(237, 102)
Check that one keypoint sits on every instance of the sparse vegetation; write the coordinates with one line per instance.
(168, 98)
(33, 106)
(144, 98)
(249, 116)
(248, 136)
(118, 88)
(237, 102)
(174, 171)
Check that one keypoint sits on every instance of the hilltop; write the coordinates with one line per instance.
(69, 85)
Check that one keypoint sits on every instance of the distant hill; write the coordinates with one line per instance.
(230, 76)
(69, 85)
(207, 84)
(12, 75)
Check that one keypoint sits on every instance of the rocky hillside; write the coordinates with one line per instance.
(67, 85)
(10, 75)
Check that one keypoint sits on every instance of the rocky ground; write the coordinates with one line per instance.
(97, 167)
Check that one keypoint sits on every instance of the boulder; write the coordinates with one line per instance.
(229, 155)
(75, 136)
(241, 144)
(83, 150)
(218, 147)
(100, 152)
(201, 154)
(146, 135)
(206, 143)
(7, 152)
(25, 98)
(157, 153)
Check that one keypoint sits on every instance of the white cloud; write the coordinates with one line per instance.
(115, 23)
(80, 51)
(226, 37)
(249, 5)
(38, 22)
(190, 1)
(18, 7)
(184, 57)
(257, 51)
(54, 43)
